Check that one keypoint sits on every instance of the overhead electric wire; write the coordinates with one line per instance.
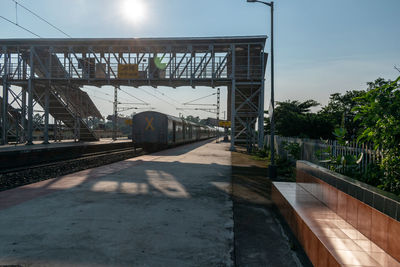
(16, 13)
(16, 24)
(138, 98)
(127, 109)
(109, 101)
(158, 91)
(199, 98)
(39, 17)
(98, 91)
(102, 98)
(158, 97)
(213, 111)
(193, 104)
(133, 96)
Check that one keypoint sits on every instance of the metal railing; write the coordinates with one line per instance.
(325, 152)
(185, 67)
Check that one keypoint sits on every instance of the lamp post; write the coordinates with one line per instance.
(272, 166)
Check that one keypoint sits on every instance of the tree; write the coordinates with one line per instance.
(340, 112)
(296, 106)
(193, 119)
(378, 114)
(294, 118)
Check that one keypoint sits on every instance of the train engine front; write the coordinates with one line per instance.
(150, 130)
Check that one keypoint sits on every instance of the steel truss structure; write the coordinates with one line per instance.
(50, 72)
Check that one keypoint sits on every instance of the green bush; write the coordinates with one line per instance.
(379, 117)
(285, 168)
(293, 150)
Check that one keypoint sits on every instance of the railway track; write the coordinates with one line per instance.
(14, 177)
(53, 164)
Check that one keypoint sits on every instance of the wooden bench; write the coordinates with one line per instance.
(334, 227)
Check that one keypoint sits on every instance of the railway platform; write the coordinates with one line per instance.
(17, 156)
(171, 208)
(38, 145)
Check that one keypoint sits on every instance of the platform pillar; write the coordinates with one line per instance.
(55, 131)
(30, 101)
(46, 117)
(261, 107)
(218, 102)
(4, 111)
(114, 136)
(23, 103)
(23, 114)
(76, 133)
(233, 106)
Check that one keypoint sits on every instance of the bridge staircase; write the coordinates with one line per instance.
(63, 110)
(66, 102)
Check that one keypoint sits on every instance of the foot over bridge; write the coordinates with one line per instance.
(50, 72)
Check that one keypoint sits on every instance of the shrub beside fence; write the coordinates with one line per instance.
(323, 152)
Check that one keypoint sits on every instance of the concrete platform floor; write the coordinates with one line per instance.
(171, 208)
(261, 239)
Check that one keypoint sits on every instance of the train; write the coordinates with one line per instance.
(154, 131)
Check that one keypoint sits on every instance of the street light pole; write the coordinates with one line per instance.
(272, 167)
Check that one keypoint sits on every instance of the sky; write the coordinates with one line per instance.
(321, 46)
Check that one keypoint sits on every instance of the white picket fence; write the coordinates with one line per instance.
(313, 150)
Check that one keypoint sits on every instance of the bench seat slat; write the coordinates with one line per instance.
(327, 239)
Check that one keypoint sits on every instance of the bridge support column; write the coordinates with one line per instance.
(233, 99)
(23, 102)
(261, 109)
(218, 100)
(77, 134)
(23, 114)
(4, 113)
(30, 113)
(30, 100)
(46, 116)
(115, 115)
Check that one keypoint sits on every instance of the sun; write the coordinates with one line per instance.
(134, 10)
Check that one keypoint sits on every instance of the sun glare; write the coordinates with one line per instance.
(134, 10)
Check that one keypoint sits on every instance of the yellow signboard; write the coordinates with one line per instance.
(128, 71)
(128, 121)
(224, 123)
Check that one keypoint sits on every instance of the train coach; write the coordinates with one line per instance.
(154, 130)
